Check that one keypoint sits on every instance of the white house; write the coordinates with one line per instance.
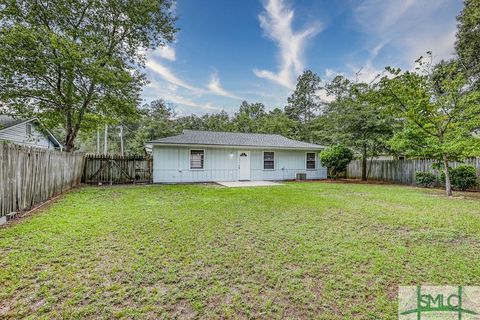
(27, 132)
(204, 156)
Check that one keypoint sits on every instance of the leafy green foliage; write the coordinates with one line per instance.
(463, 177)
(249, 117)
(356, 118)
(437, 112)
(425, 179)
(277, 122)
(468, 40)
(304, 101)
(76, 63)
(336, 159)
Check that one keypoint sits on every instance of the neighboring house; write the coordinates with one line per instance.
(27, 132)
(203, 156)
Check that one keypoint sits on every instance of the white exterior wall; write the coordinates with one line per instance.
(18, 134)
(172, 164)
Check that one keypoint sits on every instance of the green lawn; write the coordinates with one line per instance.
(302, 250)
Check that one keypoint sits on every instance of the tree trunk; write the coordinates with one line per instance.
(69, 140)
(364, 164)
(448, 185)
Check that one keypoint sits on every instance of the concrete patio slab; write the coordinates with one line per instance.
(239, 184)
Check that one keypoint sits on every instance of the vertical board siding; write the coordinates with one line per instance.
(112, 169)
(402, 171)
(29, 176)
(172, 164)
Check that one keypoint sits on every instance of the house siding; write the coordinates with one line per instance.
(172, 164)
(18, 134)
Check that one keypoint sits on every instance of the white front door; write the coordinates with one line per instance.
(244, 165)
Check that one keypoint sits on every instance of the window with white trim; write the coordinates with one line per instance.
(269, 160)
(197, 159)
(311, 161)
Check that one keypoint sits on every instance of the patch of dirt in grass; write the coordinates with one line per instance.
(3, 309)
(37, 305)
(360, 194)
(392, 292)
(448, 237)
(182, 310)
(401, 230)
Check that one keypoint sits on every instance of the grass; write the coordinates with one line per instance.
(302, 250)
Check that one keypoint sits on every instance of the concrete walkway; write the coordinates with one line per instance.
(239, 184)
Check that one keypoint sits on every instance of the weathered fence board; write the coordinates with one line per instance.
(401, 171)
(29, 176)
(113, 169)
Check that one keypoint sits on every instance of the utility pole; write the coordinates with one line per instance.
(98, 141)
(105, 150)
(121, 140)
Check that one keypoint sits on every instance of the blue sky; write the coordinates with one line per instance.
(232, 50)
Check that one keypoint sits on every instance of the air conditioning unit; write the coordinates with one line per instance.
(301, 176)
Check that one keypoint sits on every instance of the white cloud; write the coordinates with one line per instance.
(276, 21)
(409, 27)
(366, 73)
(168, 75)
(377, 14)
(165, 92)
(398, 32)
(165, 52)
(175, 98)
(330, 74)
(323, 94)
(215, 87)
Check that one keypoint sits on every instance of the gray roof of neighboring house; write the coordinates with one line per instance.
(191, 137)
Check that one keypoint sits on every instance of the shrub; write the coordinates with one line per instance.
(336, 159)
(425, 179)
(462, 177)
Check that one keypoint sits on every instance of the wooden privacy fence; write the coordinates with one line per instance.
(29, 176)
(112, 169)
(401, 171)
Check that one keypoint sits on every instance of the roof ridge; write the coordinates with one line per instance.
(233, 132)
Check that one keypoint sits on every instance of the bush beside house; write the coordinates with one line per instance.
(336, 159)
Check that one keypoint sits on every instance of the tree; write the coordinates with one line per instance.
(336, 159)
(217, 122)
(277, 122)
(191, 122)
(468, 40)
(249, 117)
(155, 121)
(304, 101)
(70, 62)
(438, 111)
(356, 118)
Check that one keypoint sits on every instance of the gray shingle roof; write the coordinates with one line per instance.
(191, 137)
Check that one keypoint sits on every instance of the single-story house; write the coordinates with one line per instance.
(204, 156)
(27, 132)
